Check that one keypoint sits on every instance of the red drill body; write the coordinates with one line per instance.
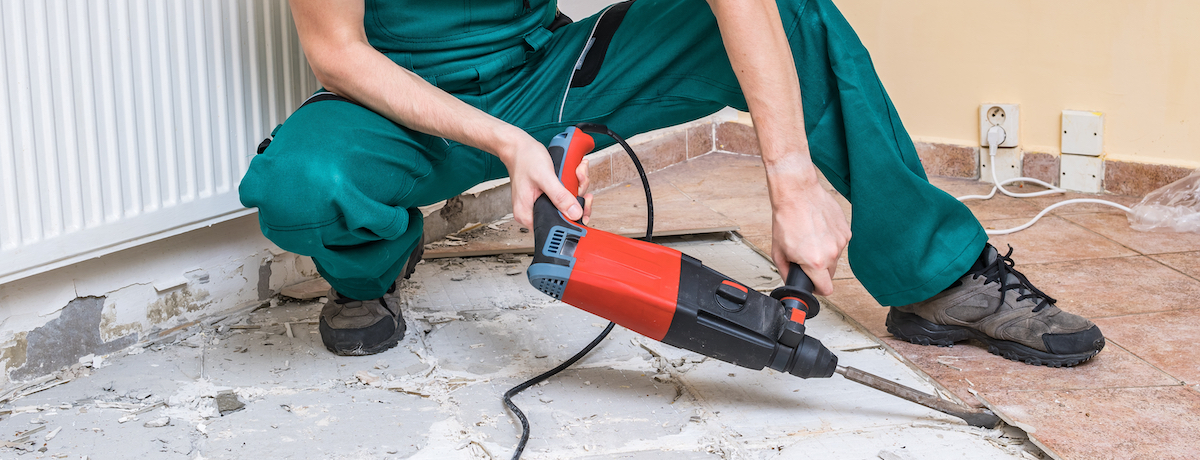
(667, 295)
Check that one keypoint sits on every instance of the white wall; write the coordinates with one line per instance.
(1137, 61)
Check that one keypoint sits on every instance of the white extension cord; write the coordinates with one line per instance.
(995, 136)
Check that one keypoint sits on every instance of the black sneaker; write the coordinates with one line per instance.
(995, 304)
(351, 327)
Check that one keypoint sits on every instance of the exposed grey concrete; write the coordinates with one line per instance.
(264, 281)
(73, 335)
(437, 394)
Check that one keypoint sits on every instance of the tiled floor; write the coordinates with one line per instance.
(1139, 398)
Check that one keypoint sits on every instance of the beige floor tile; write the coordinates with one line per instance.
(752, 215)
(959, 187)
(1186, 262)
(1167, 340)
(1116, 227)
(1101, 424)
(622, 210)
(997, 207)
(968, 366)
(1099, 288)
(1053, 239)
(1084, 208)
(1002, 207)
(851, 298)
(719, 176)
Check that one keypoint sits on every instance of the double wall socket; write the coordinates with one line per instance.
(1008, 159)
(1007, 116)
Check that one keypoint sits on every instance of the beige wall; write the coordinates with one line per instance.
(1138, 61)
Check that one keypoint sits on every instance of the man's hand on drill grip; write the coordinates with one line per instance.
(532, 173)
(808, 226)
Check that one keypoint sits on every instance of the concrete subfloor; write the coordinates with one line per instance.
(476, 328)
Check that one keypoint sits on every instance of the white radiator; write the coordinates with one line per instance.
(127, 121)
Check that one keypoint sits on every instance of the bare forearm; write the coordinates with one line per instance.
(808, 227)
(345, 63)
(762, 60)
(407, 99)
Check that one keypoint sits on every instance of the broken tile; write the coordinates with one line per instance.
(1052, 239)
(507, 238)
(1111, 423)
(1096, 288)
(437, 400)
(305, 290)
(1166, 340)
(227, 402)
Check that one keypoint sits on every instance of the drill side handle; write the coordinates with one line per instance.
(796, 293)
(798, 279)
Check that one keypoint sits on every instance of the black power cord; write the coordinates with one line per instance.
(594, 129)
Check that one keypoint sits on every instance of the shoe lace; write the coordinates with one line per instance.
(999, 270)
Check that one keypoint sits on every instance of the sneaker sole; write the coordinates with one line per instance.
(349, 342)
(915, 329)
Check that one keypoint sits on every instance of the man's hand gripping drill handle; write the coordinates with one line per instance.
(566, 154)
(668, 296)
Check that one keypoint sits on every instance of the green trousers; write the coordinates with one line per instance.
(342, 184)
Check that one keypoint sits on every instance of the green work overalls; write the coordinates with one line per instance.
(342, 184)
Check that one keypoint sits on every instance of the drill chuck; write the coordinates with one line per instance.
(808, 359)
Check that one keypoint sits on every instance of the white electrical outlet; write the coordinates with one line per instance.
(1082, 132)
(1006, 116)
